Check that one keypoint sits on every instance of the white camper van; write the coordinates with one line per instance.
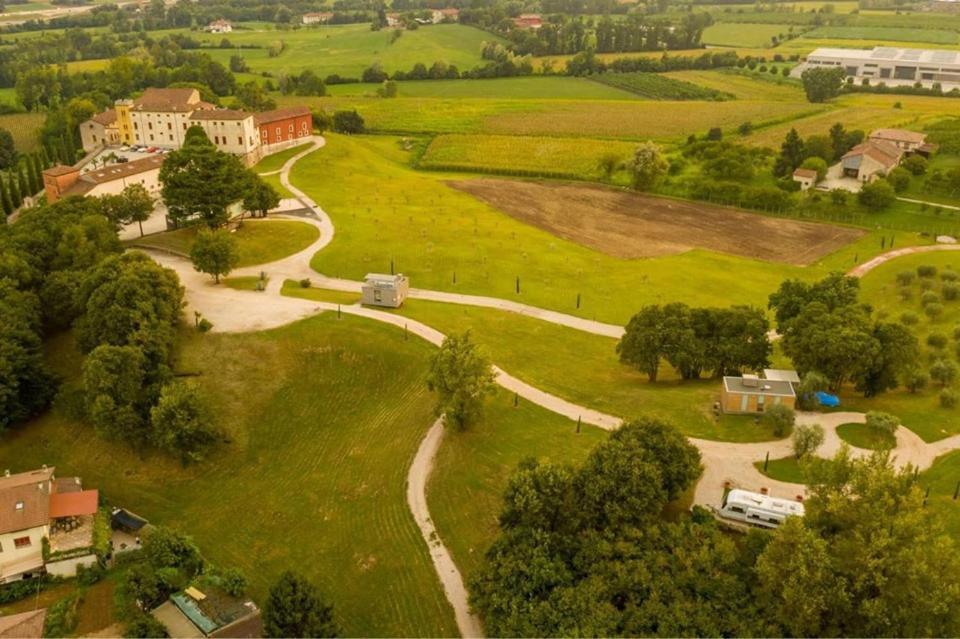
(758, 510)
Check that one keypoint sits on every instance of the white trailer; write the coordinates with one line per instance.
(758, 510)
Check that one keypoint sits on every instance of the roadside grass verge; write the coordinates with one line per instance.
(276, 161)
(787, 469)
(293, 289)
(863, 436)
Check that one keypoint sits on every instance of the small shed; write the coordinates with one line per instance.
(384, 290)
(806, 177)
(750, 394)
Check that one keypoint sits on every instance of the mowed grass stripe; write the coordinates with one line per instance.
(324, 417)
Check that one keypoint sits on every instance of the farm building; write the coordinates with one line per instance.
(100, 130)
(449, 14)
(317, 17)
(192, 613)
(283, 128)
(528, 21)
(219, 26)
(751, 394)
(63, 181)
(806, 177)
(889, 65)
(870, 160)
(384, 290)
(907, 141)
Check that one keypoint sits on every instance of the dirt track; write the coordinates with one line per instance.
(631, 225)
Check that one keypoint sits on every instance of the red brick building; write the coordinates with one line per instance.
(285, 127)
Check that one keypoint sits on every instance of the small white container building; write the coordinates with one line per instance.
(758, 510)
(384, 290)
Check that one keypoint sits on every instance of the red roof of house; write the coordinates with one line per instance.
(74, 504)
(807, 173)
(281, 114)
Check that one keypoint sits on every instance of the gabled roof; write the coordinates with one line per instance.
(878, 151)
(805, 173)
(59, 170)
(175, 100)
(898, 135)
(26, 625)
(25, 500)
(105, 118)
(280, 114)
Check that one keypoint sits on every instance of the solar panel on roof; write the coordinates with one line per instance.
(883, 52)
(943, 57)
(911, 55)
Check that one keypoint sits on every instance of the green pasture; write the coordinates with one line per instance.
(730, 34)
(742, 85)
(863, 436)
(349, 49)
(897, 34)
(293, 288)
(574, 157)
(942, 480)
(526, 88)
(312, 475)
(9, 97)
(258, 242)
(655, 86)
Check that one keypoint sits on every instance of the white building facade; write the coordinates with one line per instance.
(889, 66)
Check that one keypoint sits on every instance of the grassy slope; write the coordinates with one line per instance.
(430, 231)
(313, 476)
(942, 479)
(259, 242)
(473, 467)
(349, 49)
(275, 161)
(536, 88)
(921, 412)
(743, 35)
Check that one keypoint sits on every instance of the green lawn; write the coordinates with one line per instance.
(863, 436)
(943, 478)
(473, 467)
(349, 49)
(312, 478)
(743, 35)
(276, 161)
(584, 369)
(293, 289)
(9, 96)
(243, 283)
(527, 88)
(432, 232)
(576, 158)
(259, 242)
(785, 469)
(920, 412)
(933, 36)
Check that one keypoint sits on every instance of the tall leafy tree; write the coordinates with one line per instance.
(462, 376)
(294, 608)
(644, 341)
(202, 182)
(8, 152)
(793, 296)
(261, 197)
(133, 204)
(647, 166)
(5, 200)
(791, 155)
(821, 85)
(214, 253)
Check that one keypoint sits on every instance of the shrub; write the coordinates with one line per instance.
(838, 196)
(780, 418)
(204, 325)
(950, 291)
(62, 616)
(145, 626)
(927, 270)
(948, 275)
(929, 297)
(899, 179)
(936, 340)
(948, 398)
(905, 278)
(916, 164)
(881, 421)
(956, 332)
(908, 318)
(933, 310)
(877, 195)
(943, 371)
(906, 294)
(915, 379)
(807, 438)
(305, 282)
(349, 122)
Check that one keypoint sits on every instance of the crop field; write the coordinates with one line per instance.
(24, 128)
(731, 34)
(743, 86)
(658, 87)
(921, 412)
(934, 36)
(631, 225)
(78, 66)
(258, 242)
(313, 474)
(349, 49)
(517, 155)
(558, 62)
(473, 467)
(527, 88)
(447, 240)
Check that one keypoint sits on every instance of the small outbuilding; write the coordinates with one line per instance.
(806, 177)
(751, 394)
(384, 290)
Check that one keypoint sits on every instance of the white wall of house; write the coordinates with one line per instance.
(94, 135)
(68, 567)
(232, 136)
(150, 180)
(158, 128)
(11, 556)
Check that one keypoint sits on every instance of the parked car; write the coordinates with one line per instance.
(122, 160)
(124, 148)
(152, 149)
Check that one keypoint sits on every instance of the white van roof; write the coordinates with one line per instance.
(765, 502)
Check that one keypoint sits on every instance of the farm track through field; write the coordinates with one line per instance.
(724, 462)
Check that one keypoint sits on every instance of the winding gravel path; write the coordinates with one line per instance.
(724, 462)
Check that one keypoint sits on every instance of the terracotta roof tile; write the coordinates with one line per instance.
(74, 504)
(25, 500)
(281, 114)
(26, 625)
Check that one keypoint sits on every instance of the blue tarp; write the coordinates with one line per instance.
(828, 400)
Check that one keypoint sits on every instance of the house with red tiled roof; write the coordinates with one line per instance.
(317, 17)
(25, 625)
(34, 506)
(871, 159)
